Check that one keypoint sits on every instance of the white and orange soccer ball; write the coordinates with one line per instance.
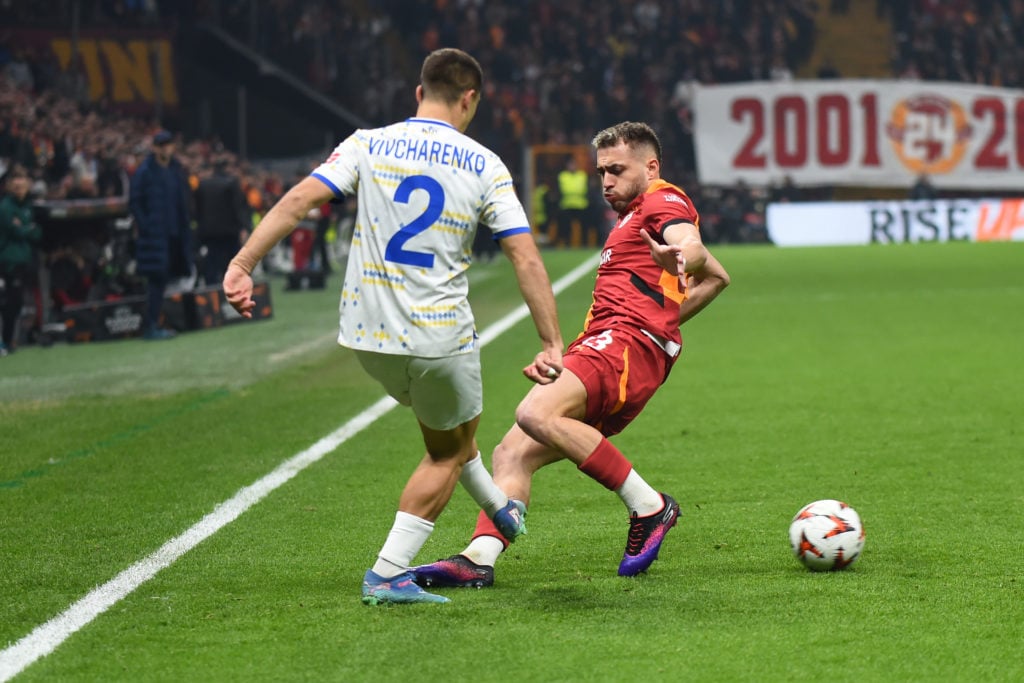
(826, 535)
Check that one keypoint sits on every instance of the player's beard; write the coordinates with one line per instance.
(626, 198)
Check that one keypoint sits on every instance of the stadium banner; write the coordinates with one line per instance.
(132, 70)
(861, 133)
(895, 222)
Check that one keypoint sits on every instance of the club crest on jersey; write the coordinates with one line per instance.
(625, 219)
(675, 198)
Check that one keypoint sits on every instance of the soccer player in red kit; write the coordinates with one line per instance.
(655, 274)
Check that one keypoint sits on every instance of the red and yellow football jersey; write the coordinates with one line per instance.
(631, 288)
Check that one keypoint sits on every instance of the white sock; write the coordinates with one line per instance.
(484, 550)
(405, 539)
(639, 497)
(477, 480)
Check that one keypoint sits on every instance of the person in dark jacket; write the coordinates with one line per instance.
(19, 236)
(222, 220)
(163, 248)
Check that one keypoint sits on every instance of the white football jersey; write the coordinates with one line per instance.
(422, 189)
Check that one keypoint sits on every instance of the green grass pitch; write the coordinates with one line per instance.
(889, 377)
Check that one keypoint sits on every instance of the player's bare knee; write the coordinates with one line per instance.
(526, 419)
(535, 423)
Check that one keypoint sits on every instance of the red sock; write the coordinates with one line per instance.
(485, 527)
(607, 465)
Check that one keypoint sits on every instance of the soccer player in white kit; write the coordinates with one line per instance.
(423, 188)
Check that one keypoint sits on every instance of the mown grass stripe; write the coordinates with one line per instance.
(22, 478)
(47, 637)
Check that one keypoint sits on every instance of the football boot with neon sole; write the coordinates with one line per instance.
(397, 589)
(457, 571)
(645, 537)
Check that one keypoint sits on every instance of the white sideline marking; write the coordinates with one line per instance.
(499, 327)
(303, 349)
(47, 637)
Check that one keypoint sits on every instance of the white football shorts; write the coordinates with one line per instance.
(443, 392)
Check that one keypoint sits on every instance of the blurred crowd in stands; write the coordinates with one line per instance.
(971, 41)
(75, 149)
(556, 71)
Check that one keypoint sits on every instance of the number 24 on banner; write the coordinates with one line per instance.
(929, 133)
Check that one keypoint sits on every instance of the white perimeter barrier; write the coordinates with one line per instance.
(891, 222)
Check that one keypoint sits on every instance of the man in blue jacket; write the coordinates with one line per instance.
(163, 246)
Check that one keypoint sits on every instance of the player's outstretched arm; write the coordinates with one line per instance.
(705, 284)
(275, 226)
(535, 287)
(682, 250)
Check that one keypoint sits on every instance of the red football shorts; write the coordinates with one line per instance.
(621, 370)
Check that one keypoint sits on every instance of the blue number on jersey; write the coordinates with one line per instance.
(395, 251)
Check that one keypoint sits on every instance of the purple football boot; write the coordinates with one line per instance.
(457, 571)
(645, 537)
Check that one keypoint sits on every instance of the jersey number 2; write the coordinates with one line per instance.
(396, 251)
